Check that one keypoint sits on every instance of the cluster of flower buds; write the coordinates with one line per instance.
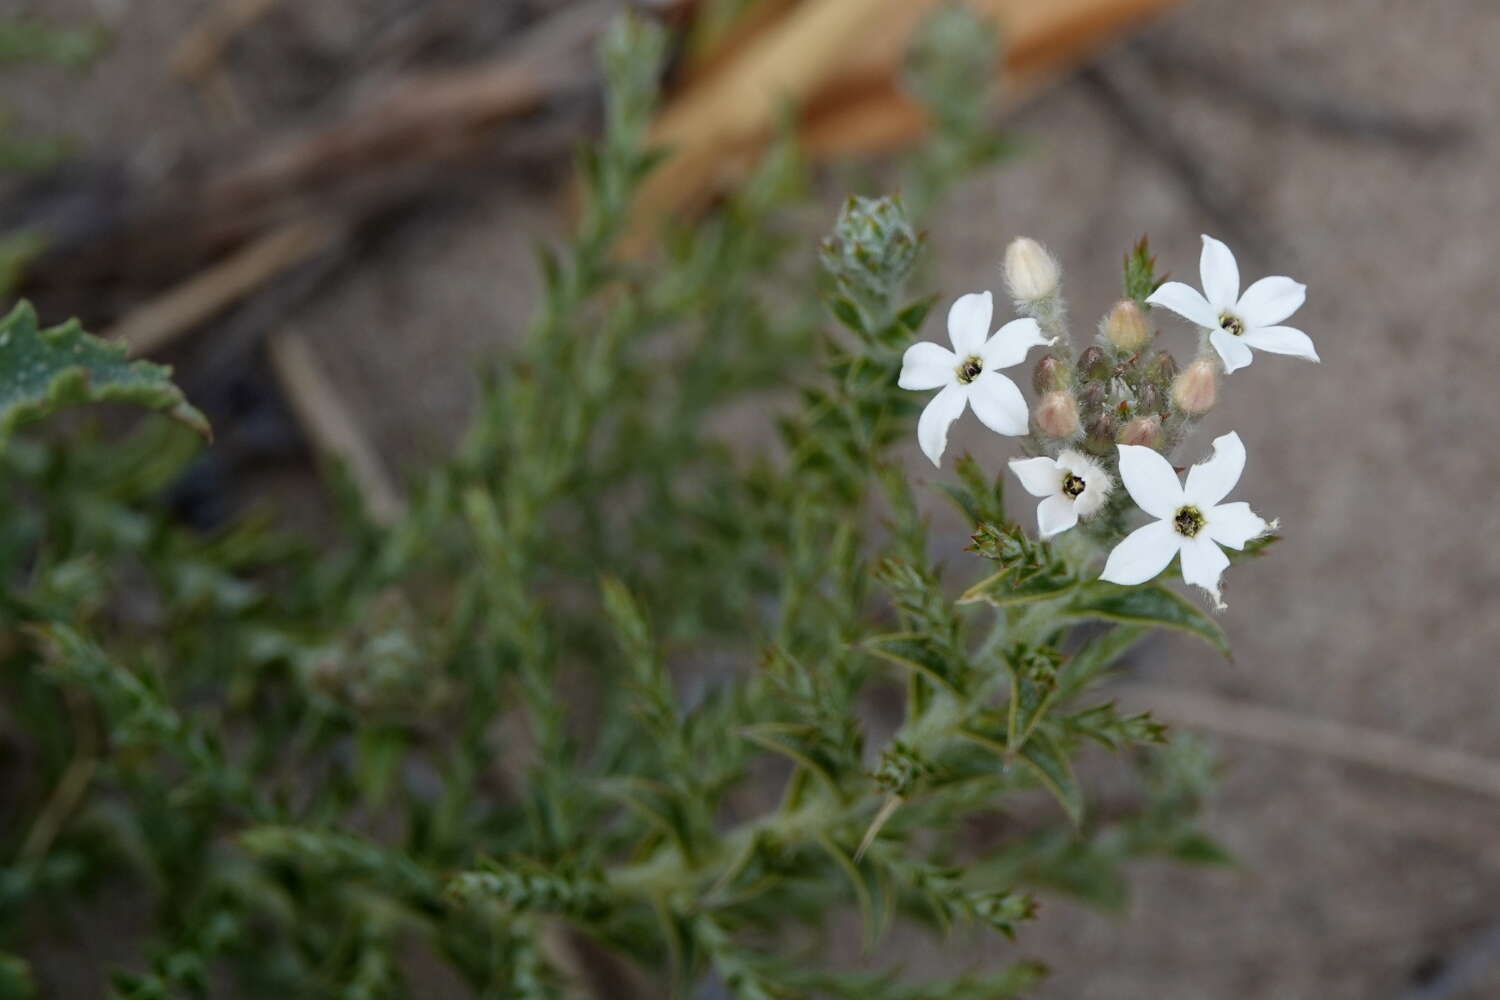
(1117, 410)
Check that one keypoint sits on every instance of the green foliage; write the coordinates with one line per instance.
(554, 704)
(44, 370)
(1141, 278)
(27, 40)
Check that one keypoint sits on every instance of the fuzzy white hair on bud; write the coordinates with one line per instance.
(1031, 272)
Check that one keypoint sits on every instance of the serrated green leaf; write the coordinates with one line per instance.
(923, 654)
(42, 371)
(1150, 604)
(1042, 754)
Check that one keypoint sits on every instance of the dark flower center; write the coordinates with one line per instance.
(1188, 521)
(969, 370)
(1230, 323)
(1072, 486)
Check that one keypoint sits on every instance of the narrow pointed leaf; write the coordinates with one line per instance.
(1151, 604)
(922, 654)
(1042, 754)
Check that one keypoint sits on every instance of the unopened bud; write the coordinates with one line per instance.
(1197, 389)
(1091, 398)
(1099, 436)
(1127, 328)
(1049, 374)
(1144, 431)
(1150, 400)
(1093, 366)
(1031, 273)
(1161, 369)
(1057, 415)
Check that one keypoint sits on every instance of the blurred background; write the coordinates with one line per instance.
(323, 212)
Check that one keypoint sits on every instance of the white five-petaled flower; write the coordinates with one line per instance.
(1190, 519)
(970, 373)
(1073, 486)
(1238, 322)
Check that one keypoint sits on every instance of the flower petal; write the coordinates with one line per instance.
(1011, 342)
(927, 365)
(1041, 477)
(998, 404)
(1203, 563)
(1143, 554)
(1220, 274)
(1055, 514)
(1282, 340)
(1150, 480)
(1210, 481)
(1271, 300)
(932, 426)
(1187, 302)
(1234, 524)
(1234, 350)
(969, 322)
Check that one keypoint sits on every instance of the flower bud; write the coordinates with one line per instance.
(1093, 366)
(1057, 414)
(1099, 436)
(1150, 400)
(1049, 374)
(1031, 273)
(1161, 369)
(1144, 431)
(1127, 328)
(1197, 389)
(1091, 398)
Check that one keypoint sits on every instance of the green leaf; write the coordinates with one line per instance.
(1096, 656)
(1254, 549)
(1042, 754)
(1033, 686)
(800, 743)
(1009, 587)
(1198, 848)
(1140, 272)
(41, 371)
(914, 315)
(1150, 604)
(924, 654)
(848, 314)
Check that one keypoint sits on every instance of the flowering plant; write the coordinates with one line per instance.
(621, 707)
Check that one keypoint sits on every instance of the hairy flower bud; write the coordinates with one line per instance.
(1091, 398)
(1099, 436)
(1197, 389)
(1160, 369)
(1144, 431)
(1127, 328)
(1057, 414)
(1049, 374)
(1093, 366)
(1031, 273)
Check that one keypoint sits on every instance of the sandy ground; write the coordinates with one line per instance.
(1381, 609)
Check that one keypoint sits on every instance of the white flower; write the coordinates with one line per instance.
(1074, 487)
(970, 373)
(1238, 322)
(1190, 519)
